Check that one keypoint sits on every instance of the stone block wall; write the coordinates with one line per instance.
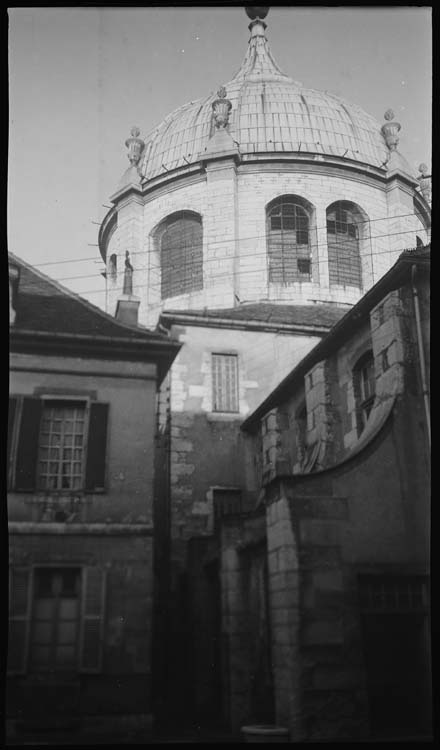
(318, 678)
(285, 616)
(242, 548)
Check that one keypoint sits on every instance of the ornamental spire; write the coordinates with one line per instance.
(425, 182)
(390, 130)
(259, 64)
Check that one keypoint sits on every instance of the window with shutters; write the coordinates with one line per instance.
(344, 224)
(364, 385)
(179, 240)
(288, 240)
(56, 445)
(56, 619)
(225, 383)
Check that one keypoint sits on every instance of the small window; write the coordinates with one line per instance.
(364, 388)
(301, 433)
(61, 446)
(304, 266)
(225, 382)
(226, 502)
(385, 361)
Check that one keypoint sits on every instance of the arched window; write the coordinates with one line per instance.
(344, 260)
(364, 384)
(288, 240)
(113, 266)
(301, 432)
(180, 245)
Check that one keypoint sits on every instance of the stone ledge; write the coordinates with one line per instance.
(82, 529)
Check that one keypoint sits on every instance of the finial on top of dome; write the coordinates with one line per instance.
(221, 108)
(135, 146)
(390, 130)
(254, 12)
(425, 182)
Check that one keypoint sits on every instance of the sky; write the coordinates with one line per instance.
(80, 78)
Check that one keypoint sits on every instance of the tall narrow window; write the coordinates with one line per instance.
(288, 239)
(61, 446)
(364, 383)
(344, 259)
(180, 240)
(225, 382)
(55, 620)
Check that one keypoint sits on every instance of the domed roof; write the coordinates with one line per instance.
(270, 113)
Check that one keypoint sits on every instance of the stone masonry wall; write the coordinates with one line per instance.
(232, 204)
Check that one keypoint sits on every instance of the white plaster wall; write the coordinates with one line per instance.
(264, 359)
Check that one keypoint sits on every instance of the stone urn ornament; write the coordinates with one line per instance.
(221, 108)
(390, 130)
(135, 146)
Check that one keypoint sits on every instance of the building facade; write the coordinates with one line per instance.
(81, 443)
(253, 219)
(339, 469)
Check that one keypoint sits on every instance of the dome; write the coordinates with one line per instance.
(270, 113)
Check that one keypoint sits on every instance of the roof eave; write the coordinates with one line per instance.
(353, 318)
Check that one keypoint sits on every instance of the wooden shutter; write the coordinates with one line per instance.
(92, 619)
(27, 448)
(19, 618)
(11, 423)
(96, 448)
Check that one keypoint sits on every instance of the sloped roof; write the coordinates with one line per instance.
(44, 305)
(398, 275)
(319, 315)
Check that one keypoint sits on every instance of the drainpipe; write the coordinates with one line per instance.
(421, 352)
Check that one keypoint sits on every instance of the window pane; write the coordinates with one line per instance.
(65, 655)
(63, 424)
(40, 655)
(67, 633)
(43, 632)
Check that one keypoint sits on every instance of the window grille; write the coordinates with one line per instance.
(288, 243)
(225, 382)
(344, 260)
(61, 446)
(181, 254)
(393, 593)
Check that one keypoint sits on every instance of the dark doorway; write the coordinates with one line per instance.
(397, 662)
(261, 688)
